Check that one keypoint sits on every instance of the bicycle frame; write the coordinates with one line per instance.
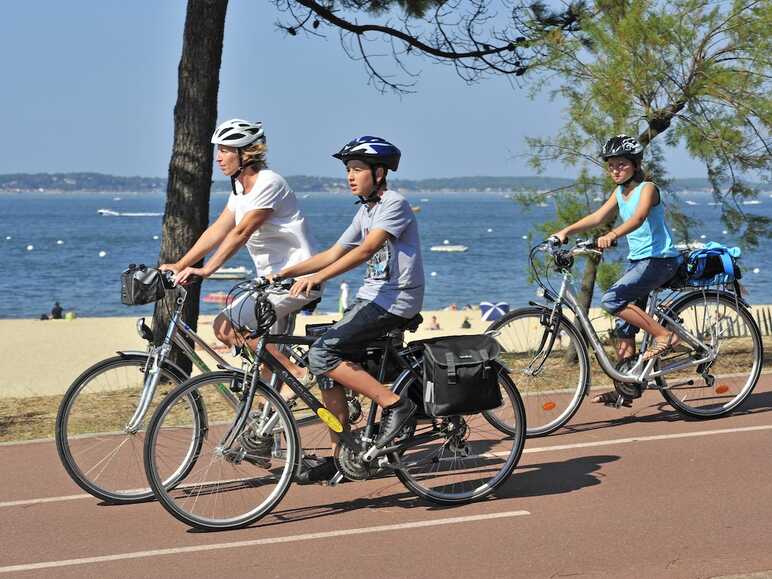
(176, 333)
(642, 371)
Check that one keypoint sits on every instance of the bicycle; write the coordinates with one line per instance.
(239, 461)
(101, 420)
(548, 352)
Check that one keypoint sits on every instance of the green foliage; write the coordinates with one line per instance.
(608, 273)
(687, 72)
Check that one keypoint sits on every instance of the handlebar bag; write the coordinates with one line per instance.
(461, 375)
(141, 285)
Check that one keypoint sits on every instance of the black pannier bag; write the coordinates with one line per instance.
(461, 375)
(141, 285)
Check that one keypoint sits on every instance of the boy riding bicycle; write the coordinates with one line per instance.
(384, 234)
(653, 257)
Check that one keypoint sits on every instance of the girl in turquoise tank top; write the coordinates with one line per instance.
(653, 258)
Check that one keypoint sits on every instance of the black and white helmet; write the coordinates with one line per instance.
(239, 133)
(622, 146)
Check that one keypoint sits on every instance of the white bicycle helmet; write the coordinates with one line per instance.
(239, 133)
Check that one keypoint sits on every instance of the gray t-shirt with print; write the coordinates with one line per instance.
(395, 273)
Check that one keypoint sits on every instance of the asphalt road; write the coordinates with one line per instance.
(638, 492)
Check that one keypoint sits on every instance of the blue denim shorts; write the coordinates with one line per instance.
(641, 277)
(362, 322)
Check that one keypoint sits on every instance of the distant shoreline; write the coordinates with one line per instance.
(58, 183)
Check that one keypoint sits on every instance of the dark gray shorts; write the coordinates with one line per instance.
(639, 280)
(362, 322)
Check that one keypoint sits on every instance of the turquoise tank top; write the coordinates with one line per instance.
(653, 237)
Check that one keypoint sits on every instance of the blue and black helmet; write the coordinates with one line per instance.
(371, 150)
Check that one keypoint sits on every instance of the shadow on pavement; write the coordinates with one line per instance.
(661, 412)
(552, 478)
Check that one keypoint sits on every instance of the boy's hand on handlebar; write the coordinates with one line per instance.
(304, 285)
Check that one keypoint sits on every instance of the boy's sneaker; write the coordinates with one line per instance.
(394, 419)
(314, 470)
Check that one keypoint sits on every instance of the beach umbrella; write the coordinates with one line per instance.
(491, 312)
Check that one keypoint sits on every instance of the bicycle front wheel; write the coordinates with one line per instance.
(716, 388)
(549, 364)
(237, 476)
(460, 459)
(94, 444)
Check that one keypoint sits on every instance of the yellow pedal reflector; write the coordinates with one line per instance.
(722, 389)
(329, 419)
(549, 406)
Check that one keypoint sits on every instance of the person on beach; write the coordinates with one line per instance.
(653, 257)
(262, 214)
(56, 311)
(383, 234)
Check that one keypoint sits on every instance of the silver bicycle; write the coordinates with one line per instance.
(546, 348)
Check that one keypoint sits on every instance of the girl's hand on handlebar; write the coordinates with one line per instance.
(606, 241)
(304, 285)
(189, 275)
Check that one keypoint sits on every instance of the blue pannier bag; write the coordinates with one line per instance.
(714, 264)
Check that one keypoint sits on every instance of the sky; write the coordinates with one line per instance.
(91, 86)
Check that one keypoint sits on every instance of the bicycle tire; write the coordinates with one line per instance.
(730, 388)
(479, 452)
(216, 477)
(549, 405)
(73, 429)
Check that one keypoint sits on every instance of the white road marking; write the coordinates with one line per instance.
(647, 438)
(256, 542)
(553, 448)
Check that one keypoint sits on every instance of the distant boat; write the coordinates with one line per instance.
(239, 272)
(690, 202)
(111, 213)
(450, 248)
(416, 208)
(426, 199)
(217, 298)
(752, 202)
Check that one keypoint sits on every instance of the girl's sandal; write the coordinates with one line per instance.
(611, 398)
(661, 346)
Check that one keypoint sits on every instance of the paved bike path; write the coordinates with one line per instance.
(608, 497)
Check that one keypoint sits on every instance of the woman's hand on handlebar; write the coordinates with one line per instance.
(190, 275)
(172, 267)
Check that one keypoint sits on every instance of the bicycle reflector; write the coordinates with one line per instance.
(549, 406)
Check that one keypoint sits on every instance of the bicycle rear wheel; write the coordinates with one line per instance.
(552, 383)
(230, 486)
(92, 440)
(722, 386)
(465, 458)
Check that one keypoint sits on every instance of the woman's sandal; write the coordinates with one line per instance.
(661, 346)
(611, 398)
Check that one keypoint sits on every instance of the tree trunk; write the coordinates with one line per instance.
(190, 170)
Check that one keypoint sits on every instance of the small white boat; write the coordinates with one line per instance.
(111, 213)
(239, 272)
(690, 202)
(449, 248)
(752, 202)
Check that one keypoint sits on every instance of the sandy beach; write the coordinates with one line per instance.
(44, 357)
